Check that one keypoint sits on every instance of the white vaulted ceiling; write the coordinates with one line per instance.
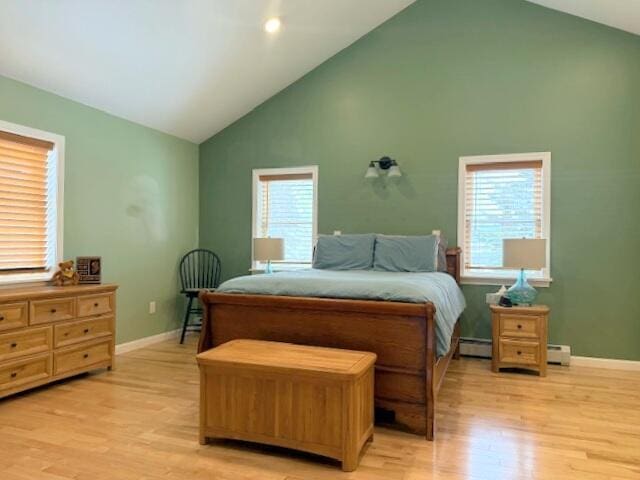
(192, 67)
(185, 67)
(622, 14)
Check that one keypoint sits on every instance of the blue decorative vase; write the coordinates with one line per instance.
(521, 293)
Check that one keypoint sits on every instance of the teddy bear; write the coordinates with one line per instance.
(66, 275)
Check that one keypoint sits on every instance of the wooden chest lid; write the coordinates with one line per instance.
(290, 357)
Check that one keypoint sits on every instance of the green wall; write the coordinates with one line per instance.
(130, 196)
(446, 78)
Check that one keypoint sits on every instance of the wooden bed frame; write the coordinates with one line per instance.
(408, 374)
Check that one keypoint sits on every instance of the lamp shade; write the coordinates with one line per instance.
(526, 253)
(266, 249)
(372, 172)
(394, 171)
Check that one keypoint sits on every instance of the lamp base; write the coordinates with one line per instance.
(521, 293)
(269, 268)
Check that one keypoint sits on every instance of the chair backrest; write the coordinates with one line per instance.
(200, 268)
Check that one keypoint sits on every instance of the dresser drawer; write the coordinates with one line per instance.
(55, 310)
(21, 372)
(82, 330)
(519, 352)
(520, 326)
(95, 305)
(81, 357)
(13, 315)
(26, 342)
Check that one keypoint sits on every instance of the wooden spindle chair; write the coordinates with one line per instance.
(199, 270)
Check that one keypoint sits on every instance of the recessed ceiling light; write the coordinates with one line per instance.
(272, 25)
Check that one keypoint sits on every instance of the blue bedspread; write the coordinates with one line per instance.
(439, 288)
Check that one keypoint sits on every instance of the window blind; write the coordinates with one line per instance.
(25, 208)
(285, 210)
(502, 200)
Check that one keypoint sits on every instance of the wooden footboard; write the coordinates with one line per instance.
(408, 375)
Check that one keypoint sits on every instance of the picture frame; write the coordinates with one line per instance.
(89, 269)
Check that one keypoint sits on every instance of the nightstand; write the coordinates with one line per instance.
(520, 337)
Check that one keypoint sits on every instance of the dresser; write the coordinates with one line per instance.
(520, 337)
(48, 333)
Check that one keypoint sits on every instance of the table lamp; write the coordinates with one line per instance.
(523, 254)
(268, 250)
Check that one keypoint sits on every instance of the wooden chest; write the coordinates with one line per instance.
(48, 333)
(314, 399)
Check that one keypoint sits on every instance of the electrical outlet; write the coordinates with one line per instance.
(337, 232)
(152, 307)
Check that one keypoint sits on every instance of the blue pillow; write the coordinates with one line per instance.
(344, 252)
(406, 253)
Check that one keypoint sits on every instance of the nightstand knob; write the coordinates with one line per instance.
(86, 355)
(519, 327)
(86, 330)
(14, 374)
(96, 304)
(14, 345)
(1, 318)
(53, 310)
(519, 352)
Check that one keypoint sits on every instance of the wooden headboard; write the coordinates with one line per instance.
(453, 262)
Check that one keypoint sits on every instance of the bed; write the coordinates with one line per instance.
(404, 334)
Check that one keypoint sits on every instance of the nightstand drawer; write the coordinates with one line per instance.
(519, 352)
(521, 326)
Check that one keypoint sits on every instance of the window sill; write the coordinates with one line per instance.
(477, 280)
(19, 278)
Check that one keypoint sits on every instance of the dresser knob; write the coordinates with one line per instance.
(1, 318)
(96, 304)
(519, 352)
(86, 330)
(14, 345)
(86, 355)
(519, 327)
(53, 310)
(14, 374)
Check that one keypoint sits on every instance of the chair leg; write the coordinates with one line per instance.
(186, 320)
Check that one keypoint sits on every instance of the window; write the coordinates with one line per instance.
(30, 203)
(285, 206)
(502, 196)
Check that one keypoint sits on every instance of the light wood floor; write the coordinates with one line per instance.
(140, 422)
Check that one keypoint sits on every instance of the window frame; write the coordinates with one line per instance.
(498, 277)
(57, 156)
(256, 174)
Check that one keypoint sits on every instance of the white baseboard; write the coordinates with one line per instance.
(480, 347)
(610, 363)
(146, 341)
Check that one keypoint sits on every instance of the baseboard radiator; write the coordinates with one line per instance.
(479, 347)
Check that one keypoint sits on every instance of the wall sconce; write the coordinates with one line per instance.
(384, 164)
